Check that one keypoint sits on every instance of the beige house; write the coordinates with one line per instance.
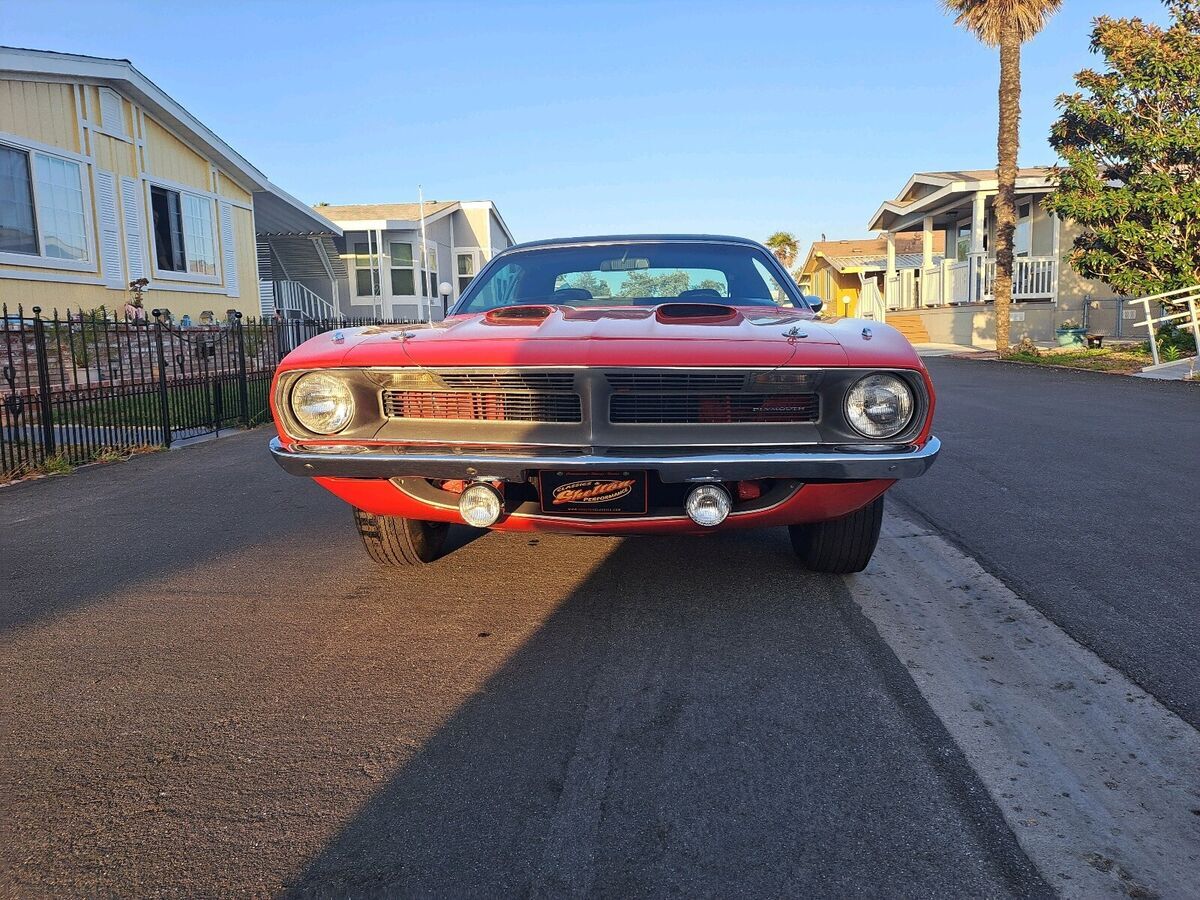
(396, 259)
(840, 271)
(945, 300)
(105, 179)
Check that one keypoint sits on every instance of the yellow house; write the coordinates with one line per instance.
(836, 270)
(105, 179)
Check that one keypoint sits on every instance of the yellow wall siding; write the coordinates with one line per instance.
(227, 188)
(43, 111)
(114, 155)
(168, 157)
(51, 295)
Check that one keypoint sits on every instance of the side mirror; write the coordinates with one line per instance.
(814, 303)
(445, 288)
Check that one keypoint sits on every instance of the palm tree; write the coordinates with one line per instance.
(783, 245)
(1005, 24)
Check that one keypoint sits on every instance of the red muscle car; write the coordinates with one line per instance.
(613, 385)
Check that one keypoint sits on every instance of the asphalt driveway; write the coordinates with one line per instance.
(1080, 491)
(208, 692)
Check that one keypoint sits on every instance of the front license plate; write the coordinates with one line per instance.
(593, 494)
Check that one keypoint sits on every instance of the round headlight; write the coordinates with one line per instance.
(880, 405)
(480, 505)
(322, 402)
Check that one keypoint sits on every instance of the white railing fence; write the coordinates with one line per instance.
(1188, 317)
(1033, 276)
(870, 300)
(293, 297)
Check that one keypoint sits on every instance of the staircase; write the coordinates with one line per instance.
(911, 326)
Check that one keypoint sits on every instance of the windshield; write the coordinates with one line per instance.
(630, 275)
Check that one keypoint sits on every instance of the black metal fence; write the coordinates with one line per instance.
(86, 386)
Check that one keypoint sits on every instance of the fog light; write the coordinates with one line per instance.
(708, 505)
(480, 505)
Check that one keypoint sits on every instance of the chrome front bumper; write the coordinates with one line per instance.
(849, 464)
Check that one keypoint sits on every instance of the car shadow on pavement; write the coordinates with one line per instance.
(698, 716)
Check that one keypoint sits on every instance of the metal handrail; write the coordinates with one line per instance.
(1188, 296)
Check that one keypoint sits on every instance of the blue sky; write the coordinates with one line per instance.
(589, 117)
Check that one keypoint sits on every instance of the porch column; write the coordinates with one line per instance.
(1055, 251)
(976, 271)
(927, 243)
(891, 255)
(891, 289)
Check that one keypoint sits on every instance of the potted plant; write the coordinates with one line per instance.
(1070, 333)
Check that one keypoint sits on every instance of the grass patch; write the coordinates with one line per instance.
(1122, 360)
(189, 406)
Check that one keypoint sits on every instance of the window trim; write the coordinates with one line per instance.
(91, 264)
(185, 276)
(410, 268)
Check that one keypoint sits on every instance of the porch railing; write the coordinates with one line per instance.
(870, 300)
(1186, 302)
(970, 281)
(301, 302)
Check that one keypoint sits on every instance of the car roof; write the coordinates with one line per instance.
(633, 239)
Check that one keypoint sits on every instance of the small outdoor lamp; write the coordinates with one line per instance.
(444, 289)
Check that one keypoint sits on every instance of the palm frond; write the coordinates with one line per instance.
(983, 18)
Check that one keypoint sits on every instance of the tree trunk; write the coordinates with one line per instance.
(1006, 170)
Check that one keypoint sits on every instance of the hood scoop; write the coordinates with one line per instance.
(518, 315)
(695, 313)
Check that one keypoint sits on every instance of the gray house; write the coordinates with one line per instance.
(384, 272)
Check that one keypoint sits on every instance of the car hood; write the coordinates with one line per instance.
(617, 336)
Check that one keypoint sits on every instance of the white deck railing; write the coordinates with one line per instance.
(870, 300)
(1188, 317)
(970, 281)
(293, 297)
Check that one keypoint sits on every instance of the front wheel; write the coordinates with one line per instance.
(839, 546)
(393, 541)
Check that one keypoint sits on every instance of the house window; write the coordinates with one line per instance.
(364, 271)
(403, 282)
(1023, 233)
(430, 276)
(41, 205)
(18, 232)
(183, 232)
(466, 270)
(962, 241)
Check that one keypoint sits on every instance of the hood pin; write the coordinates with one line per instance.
(866, 334)
(339, 337)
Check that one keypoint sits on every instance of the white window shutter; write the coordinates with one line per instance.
(135, 240)
(229, 252)
(110, 230)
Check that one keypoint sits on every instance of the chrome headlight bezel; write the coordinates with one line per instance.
(322, 402)
(857, 398)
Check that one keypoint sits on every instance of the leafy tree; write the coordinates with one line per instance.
(643, 284)
(589, 281)
(783, 245)
(1130, 138)
(1005, 24)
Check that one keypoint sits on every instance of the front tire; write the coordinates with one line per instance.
(394, 541)
(839, 546)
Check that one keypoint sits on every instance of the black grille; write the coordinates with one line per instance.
(688, 382)
(510, 381)
(713, 408)
(482, 406)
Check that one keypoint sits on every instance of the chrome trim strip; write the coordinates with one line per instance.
(391, 461)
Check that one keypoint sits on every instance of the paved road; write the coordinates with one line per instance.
(208, 692)
(1080, 492)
